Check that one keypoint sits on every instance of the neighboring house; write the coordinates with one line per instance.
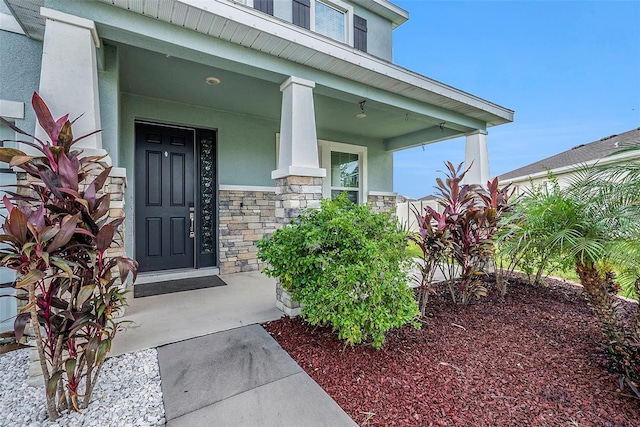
(222, 119)
(613, 149)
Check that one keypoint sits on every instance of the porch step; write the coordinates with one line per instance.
(167, 275)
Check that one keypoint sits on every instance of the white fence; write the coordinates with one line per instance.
(7, 309)
(405, 212)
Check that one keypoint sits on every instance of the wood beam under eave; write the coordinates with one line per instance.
(421, 137)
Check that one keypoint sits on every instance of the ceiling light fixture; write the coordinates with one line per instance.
(362, 114)
(212, 81)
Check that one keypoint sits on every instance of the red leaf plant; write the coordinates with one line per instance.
(56, 237)
(458, 241)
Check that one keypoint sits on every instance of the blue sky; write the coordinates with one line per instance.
(569, 69)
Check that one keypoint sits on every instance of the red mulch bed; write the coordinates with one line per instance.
(534, 359)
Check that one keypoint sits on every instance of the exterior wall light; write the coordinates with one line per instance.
(361, 114)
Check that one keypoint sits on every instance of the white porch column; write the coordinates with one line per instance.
(69, 75)
(476, 151)
(298, 140)
(299, 176)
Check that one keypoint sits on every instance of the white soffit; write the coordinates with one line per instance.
(27, 13)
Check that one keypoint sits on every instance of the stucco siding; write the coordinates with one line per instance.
(379, 34)
(246, 145)
(109, 93)
(20, 61)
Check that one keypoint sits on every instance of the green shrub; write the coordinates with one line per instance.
(347, 266)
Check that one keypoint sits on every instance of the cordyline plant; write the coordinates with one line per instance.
(459, 240)
(56, 238)
(496, 202)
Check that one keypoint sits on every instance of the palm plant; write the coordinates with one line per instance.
(587, 223)
(529, 228)
(625, 262)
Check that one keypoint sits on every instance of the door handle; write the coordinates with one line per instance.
(192, 227)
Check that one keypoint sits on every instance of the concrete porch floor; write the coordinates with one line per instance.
(248, 298)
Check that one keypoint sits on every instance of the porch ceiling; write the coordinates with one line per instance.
(157, 75)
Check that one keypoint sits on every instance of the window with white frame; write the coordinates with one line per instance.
(331, 18)
(346, 166)
(346, 170)
(330, 21)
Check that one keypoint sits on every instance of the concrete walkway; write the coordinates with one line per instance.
(218, 366)
(247, 299)
(241, 377)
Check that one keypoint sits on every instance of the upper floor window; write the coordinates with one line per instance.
(331, 18)
(265, 6)
(330, 21)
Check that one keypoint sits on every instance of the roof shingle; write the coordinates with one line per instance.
(578, 155)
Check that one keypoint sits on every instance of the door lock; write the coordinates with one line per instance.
(192, 219)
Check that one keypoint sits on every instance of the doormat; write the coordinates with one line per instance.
(179, 285)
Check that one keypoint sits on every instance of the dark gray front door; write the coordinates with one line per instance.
(164, 206)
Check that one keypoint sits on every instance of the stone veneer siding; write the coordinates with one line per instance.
(294, 193)
(247, 216)
(244, 218)
(382, 203)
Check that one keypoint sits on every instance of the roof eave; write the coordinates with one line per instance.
(386, 9)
